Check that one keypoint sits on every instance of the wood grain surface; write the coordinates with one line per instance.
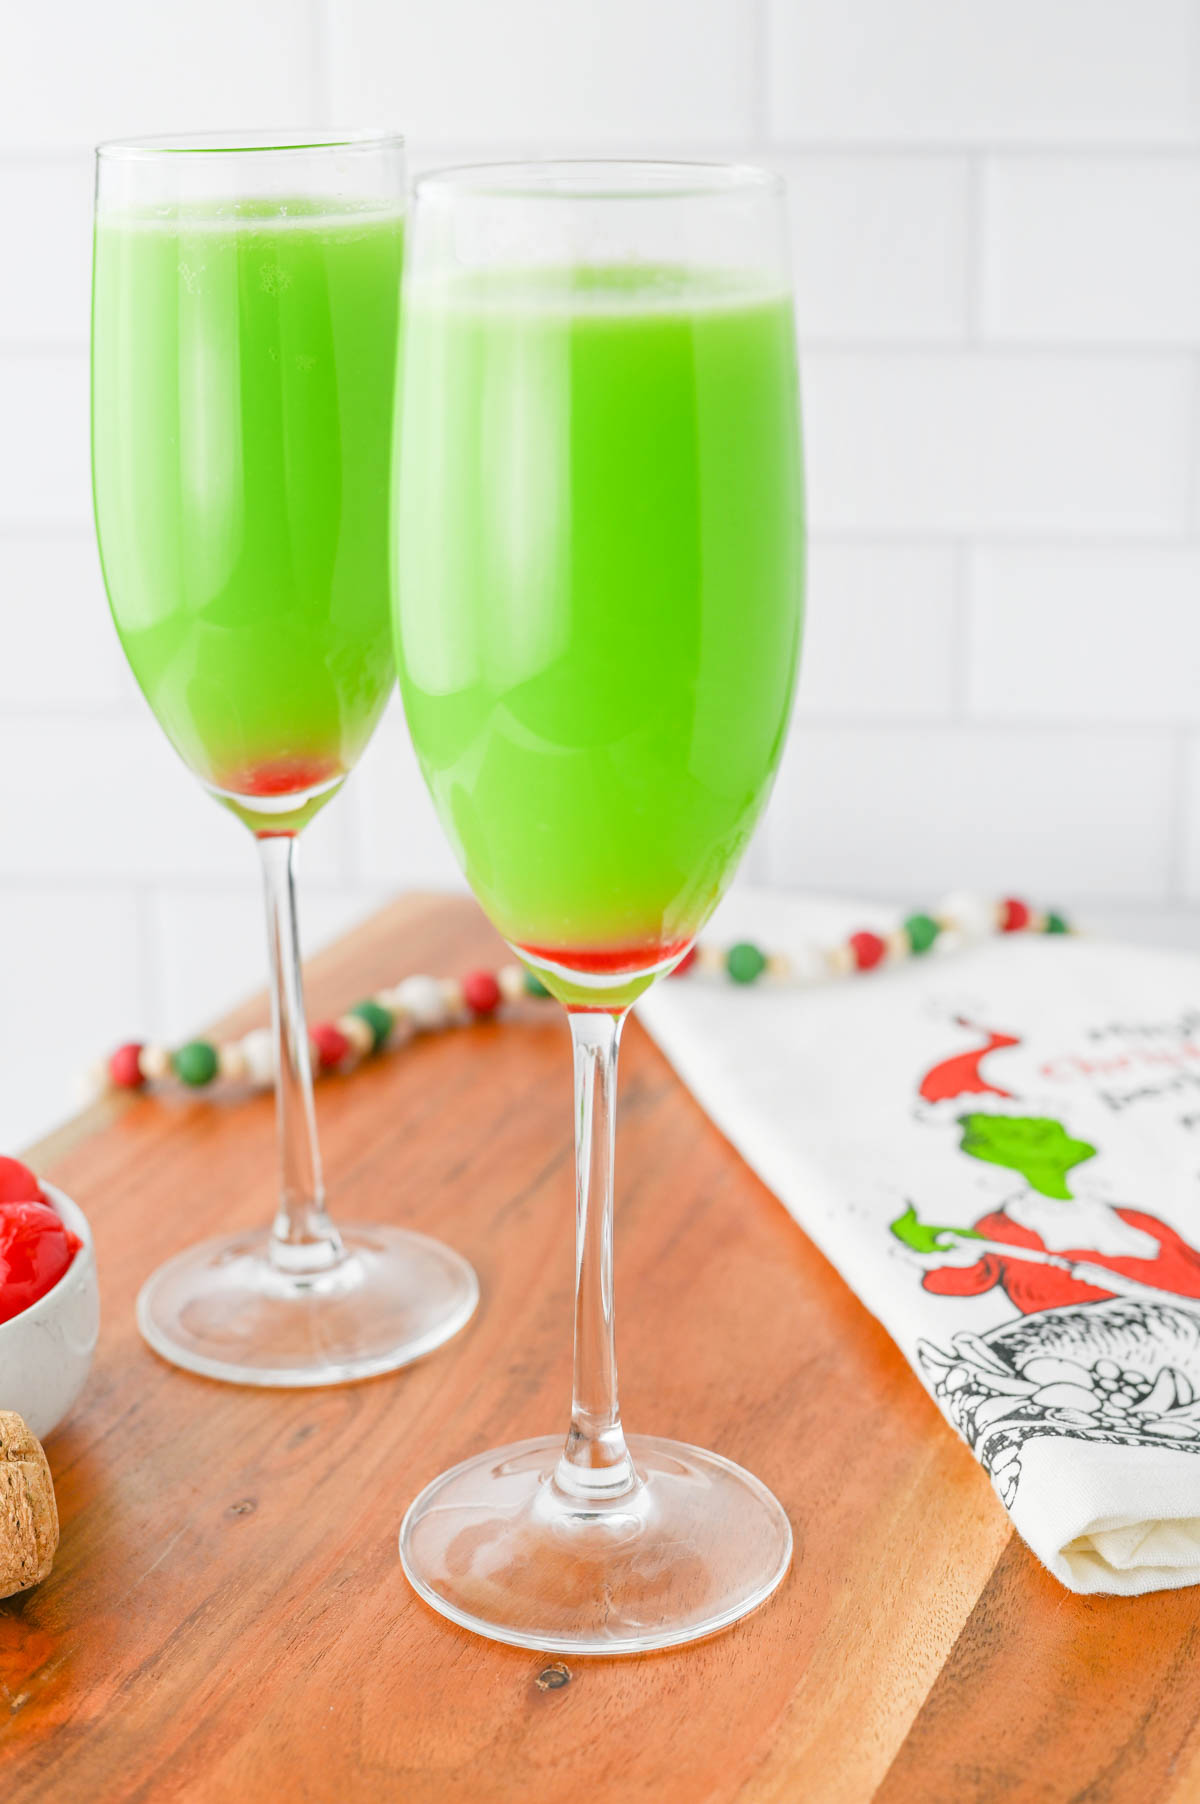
(227, 1620)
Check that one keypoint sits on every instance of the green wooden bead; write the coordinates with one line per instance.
(534, 985)
(922, 930)
(378, 1019)
(1056, 923)
(195, 1063)
(744, 962)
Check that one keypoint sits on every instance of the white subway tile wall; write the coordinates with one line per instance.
(977, 442)
(996, 224)
(1075, 812)
(994, 71)
(647, 72)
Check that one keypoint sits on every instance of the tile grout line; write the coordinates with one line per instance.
(1194, 67)
(322, 21)
(991, 537)
(909, 344)
(761, 55)
(960, 636)
(1191, 507)
(975, 229)
(151, 963)
(1177, 819)
(1183, 149)
(763, 142)
(156, 884)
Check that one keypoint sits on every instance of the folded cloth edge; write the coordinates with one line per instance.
(1104, 1540)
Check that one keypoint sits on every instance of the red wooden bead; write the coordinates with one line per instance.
(123, 1068)
(481, 992)
(331, 1044)
(868, 949)
(687, 961)
(1014, 915)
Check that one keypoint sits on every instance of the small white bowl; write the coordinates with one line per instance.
(46, 1351)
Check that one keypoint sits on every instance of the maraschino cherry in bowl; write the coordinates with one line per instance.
(49, 1299)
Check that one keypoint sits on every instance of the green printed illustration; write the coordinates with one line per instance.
(923, 1237)
(1039, 1148)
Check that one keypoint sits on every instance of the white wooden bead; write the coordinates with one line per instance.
(972, 917)
(423, 999)
(258, 1050)
(511, 979)
(402, 1022)
(452, 996)
(808, 964)
(840, 959)
(710, 959)
(897, 943)
(154, 1063)
(93, 1083)
(358, 1033)
(231, 1062)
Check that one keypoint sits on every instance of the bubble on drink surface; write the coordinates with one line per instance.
(273, 278)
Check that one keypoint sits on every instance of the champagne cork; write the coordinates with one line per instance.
(28, 1513)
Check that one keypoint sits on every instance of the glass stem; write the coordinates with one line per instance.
(303, 1239)
(595, 1461)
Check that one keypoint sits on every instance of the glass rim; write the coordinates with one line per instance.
(600, 178)
(246, 143)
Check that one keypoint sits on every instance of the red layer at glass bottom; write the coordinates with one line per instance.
(592, 964)
(271, 783)
(608, 961)
(280, 776)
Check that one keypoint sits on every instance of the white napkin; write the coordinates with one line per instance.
(999, 1149)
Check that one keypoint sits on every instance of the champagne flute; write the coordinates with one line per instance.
(598, 611)
(244, 329)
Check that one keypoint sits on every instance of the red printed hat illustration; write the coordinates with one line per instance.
(961, 1074)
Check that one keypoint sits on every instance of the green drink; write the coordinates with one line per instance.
(598, 610)
(244, 333)
(599, 596)
(242, 403)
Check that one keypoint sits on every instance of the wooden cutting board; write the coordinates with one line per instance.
(227, 1620)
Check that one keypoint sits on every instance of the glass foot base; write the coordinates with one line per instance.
(223, 1309)
(496, 1546)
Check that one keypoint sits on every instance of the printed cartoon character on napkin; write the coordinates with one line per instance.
(1052, 1243)
(1105, 1347)
(1055, 1241)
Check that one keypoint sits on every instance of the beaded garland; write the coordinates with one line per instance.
(421, 1004)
